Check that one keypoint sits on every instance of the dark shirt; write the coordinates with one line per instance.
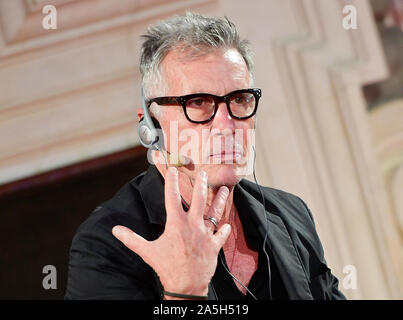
(101, 267)
(223, 282)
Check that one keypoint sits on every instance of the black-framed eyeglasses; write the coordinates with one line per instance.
(202, 107)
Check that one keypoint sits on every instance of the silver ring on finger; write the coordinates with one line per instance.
(213, 221)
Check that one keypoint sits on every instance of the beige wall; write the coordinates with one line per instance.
(70, 94)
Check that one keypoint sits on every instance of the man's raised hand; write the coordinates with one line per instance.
(185, 255)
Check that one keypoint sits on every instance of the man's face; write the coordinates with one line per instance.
(220, 146)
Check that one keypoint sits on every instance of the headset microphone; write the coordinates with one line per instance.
(178, 160)
(151, 136)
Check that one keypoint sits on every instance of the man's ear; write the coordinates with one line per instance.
(140, 113)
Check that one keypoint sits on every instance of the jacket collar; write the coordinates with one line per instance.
(151, 189)
(289, 264)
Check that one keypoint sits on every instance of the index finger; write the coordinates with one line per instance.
(172, 196)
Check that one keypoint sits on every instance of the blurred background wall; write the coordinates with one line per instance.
(330, 125)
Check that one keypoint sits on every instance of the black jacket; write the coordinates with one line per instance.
(101, 267)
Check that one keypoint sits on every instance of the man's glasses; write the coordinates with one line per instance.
(202, 107)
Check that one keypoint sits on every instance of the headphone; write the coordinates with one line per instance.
(148, 129)
(151, 136)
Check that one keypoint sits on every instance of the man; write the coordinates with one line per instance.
(191, 227)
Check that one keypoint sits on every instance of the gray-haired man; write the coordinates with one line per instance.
(196, 229)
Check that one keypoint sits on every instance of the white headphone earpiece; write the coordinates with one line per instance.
(148, 133)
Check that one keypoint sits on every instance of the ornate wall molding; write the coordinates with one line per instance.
(387, 133)
(71, 94)
(322, 68)
(21, 20)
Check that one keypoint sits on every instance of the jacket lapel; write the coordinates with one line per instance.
(280, 243)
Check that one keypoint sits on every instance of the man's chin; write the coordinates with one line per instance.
(224, 175)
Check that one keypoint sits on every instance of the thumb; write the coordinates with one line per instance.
(131, 240)
(222, 234)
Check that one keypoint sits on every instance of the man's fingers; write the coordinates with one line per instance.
(221, 235)
(199, 196)
(172, 195)
(132, 240)
(217, 207)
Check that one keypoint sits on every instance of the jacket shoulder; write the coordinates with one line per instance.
(100, 266)
(298, 220)
(279, 202)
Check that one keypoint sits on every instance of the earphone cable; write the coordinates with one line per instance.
(267, 223)
(236, 279)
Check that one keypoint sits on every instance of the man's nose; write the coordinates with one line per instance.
(222, 119)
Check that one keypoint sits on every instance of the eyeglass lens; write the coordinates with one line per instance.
(200, 108)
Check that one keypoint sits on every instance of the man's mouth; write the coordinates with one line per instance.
(227, 156)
